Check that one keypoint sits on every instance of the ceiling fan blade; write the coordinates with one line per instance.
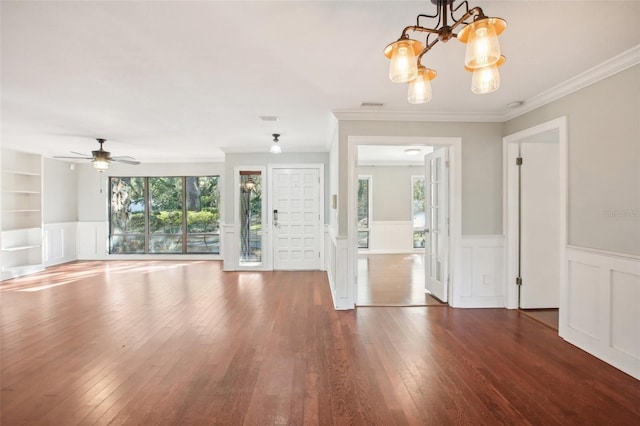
(123, 157)
(125, 161)
(80, 153)
(73, 158)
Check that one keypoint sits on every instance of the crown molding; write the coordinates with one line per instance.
(621, 62)
(360, 115)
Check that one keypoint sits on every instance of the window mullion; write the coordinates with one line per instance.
(184, 214)
(146, 216)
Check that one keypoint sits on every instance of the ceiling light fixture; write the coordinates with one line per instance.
(275, 147)
(412, 151)
(480, 34)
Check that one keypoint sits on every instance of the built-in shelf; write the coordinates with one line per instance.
(21, 209)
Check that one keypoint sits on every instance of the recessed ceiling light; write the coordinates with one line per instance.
(515, 104)
(371, 104)
(412, 151)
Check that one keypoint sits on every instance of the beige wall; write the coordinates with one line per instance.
(481, 167)
(603, 163)
(391, 191)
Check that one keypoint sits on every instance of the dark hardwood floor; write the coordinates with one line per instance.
(393, 280)
(171, 342)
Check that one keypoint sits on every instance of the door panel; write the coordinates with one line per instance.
(295, 219)
(540, 225)
(437, 224)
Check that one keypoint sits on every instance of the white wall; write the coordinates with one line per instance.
(604, 161)
(59, 195)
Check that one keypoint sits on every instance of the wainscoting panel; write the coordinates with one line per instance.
(482, 284)
(60, 243)
(228, 247)
(342, 289)
(92, 240)
(603, 317)
(388, 237)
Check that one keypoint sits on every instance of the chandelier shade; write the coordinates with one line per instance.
(481, 38)
(420, 87)
(486, 79)
(403, 54)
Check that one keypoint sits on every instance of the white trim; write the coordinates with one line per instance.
(482, 271)
(621, 62)
(600, 252)
(593, 75)
(455, 193)
(509, 222)
(364, 115)
(321, 194)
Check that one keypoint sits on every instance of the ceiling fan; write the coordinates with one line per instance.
(101, 158)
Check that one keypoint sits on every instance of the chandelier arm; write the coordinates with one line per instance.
(426, 49)
(417, 29)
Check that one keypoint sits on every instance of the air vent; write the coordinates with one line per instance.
(371, 105)
(272, 118)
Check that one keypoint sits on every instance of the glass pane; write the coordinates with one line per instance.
(203, 214)
(363, 239)
(417, 204)
(203, 243)
(165, 244)
(418, 239)
(363, 203)
(127, 205)
(250, 218)
(435, 169)
(165, 200)
(121, 244)
(203, 200)
(434, 194)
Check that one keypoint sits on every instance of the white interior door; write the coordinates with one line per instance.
(539, 225)
(295, 218)
(437, 224)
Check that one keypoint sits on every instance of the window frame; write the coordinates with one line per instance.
(366, 230)
(417, 230)
(147, 234)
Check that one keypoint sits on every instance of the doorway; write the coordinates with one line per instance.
(358, 264)
(535, 220)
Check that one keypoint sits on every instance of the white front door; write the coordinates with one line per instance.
(539, 225)
(295, 218)
(436, 205)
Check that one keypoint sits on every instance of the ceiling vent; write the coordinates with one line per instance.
(371, 105)
(271, 118)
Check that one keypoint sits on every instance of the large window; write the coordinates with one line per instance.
(164, 215)
(364, 211)
(417, 210)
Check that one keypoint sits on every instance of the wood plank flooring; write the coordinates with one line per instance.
(167, 343)
(393, 280)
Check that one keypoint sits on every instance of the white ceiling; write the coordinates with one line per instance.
(188, 80)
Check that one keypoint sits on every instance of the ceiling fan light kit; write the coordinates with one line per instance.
(101, 159)
(482, 57)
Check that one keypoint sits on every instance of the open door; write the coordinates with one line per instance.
(436, 205)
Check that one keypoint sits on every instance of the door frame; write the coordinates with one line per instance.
(321, 196)
(510, 212)
(454, 145)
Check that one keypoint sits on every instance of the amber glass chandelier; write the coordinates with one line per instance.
(480, 34)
